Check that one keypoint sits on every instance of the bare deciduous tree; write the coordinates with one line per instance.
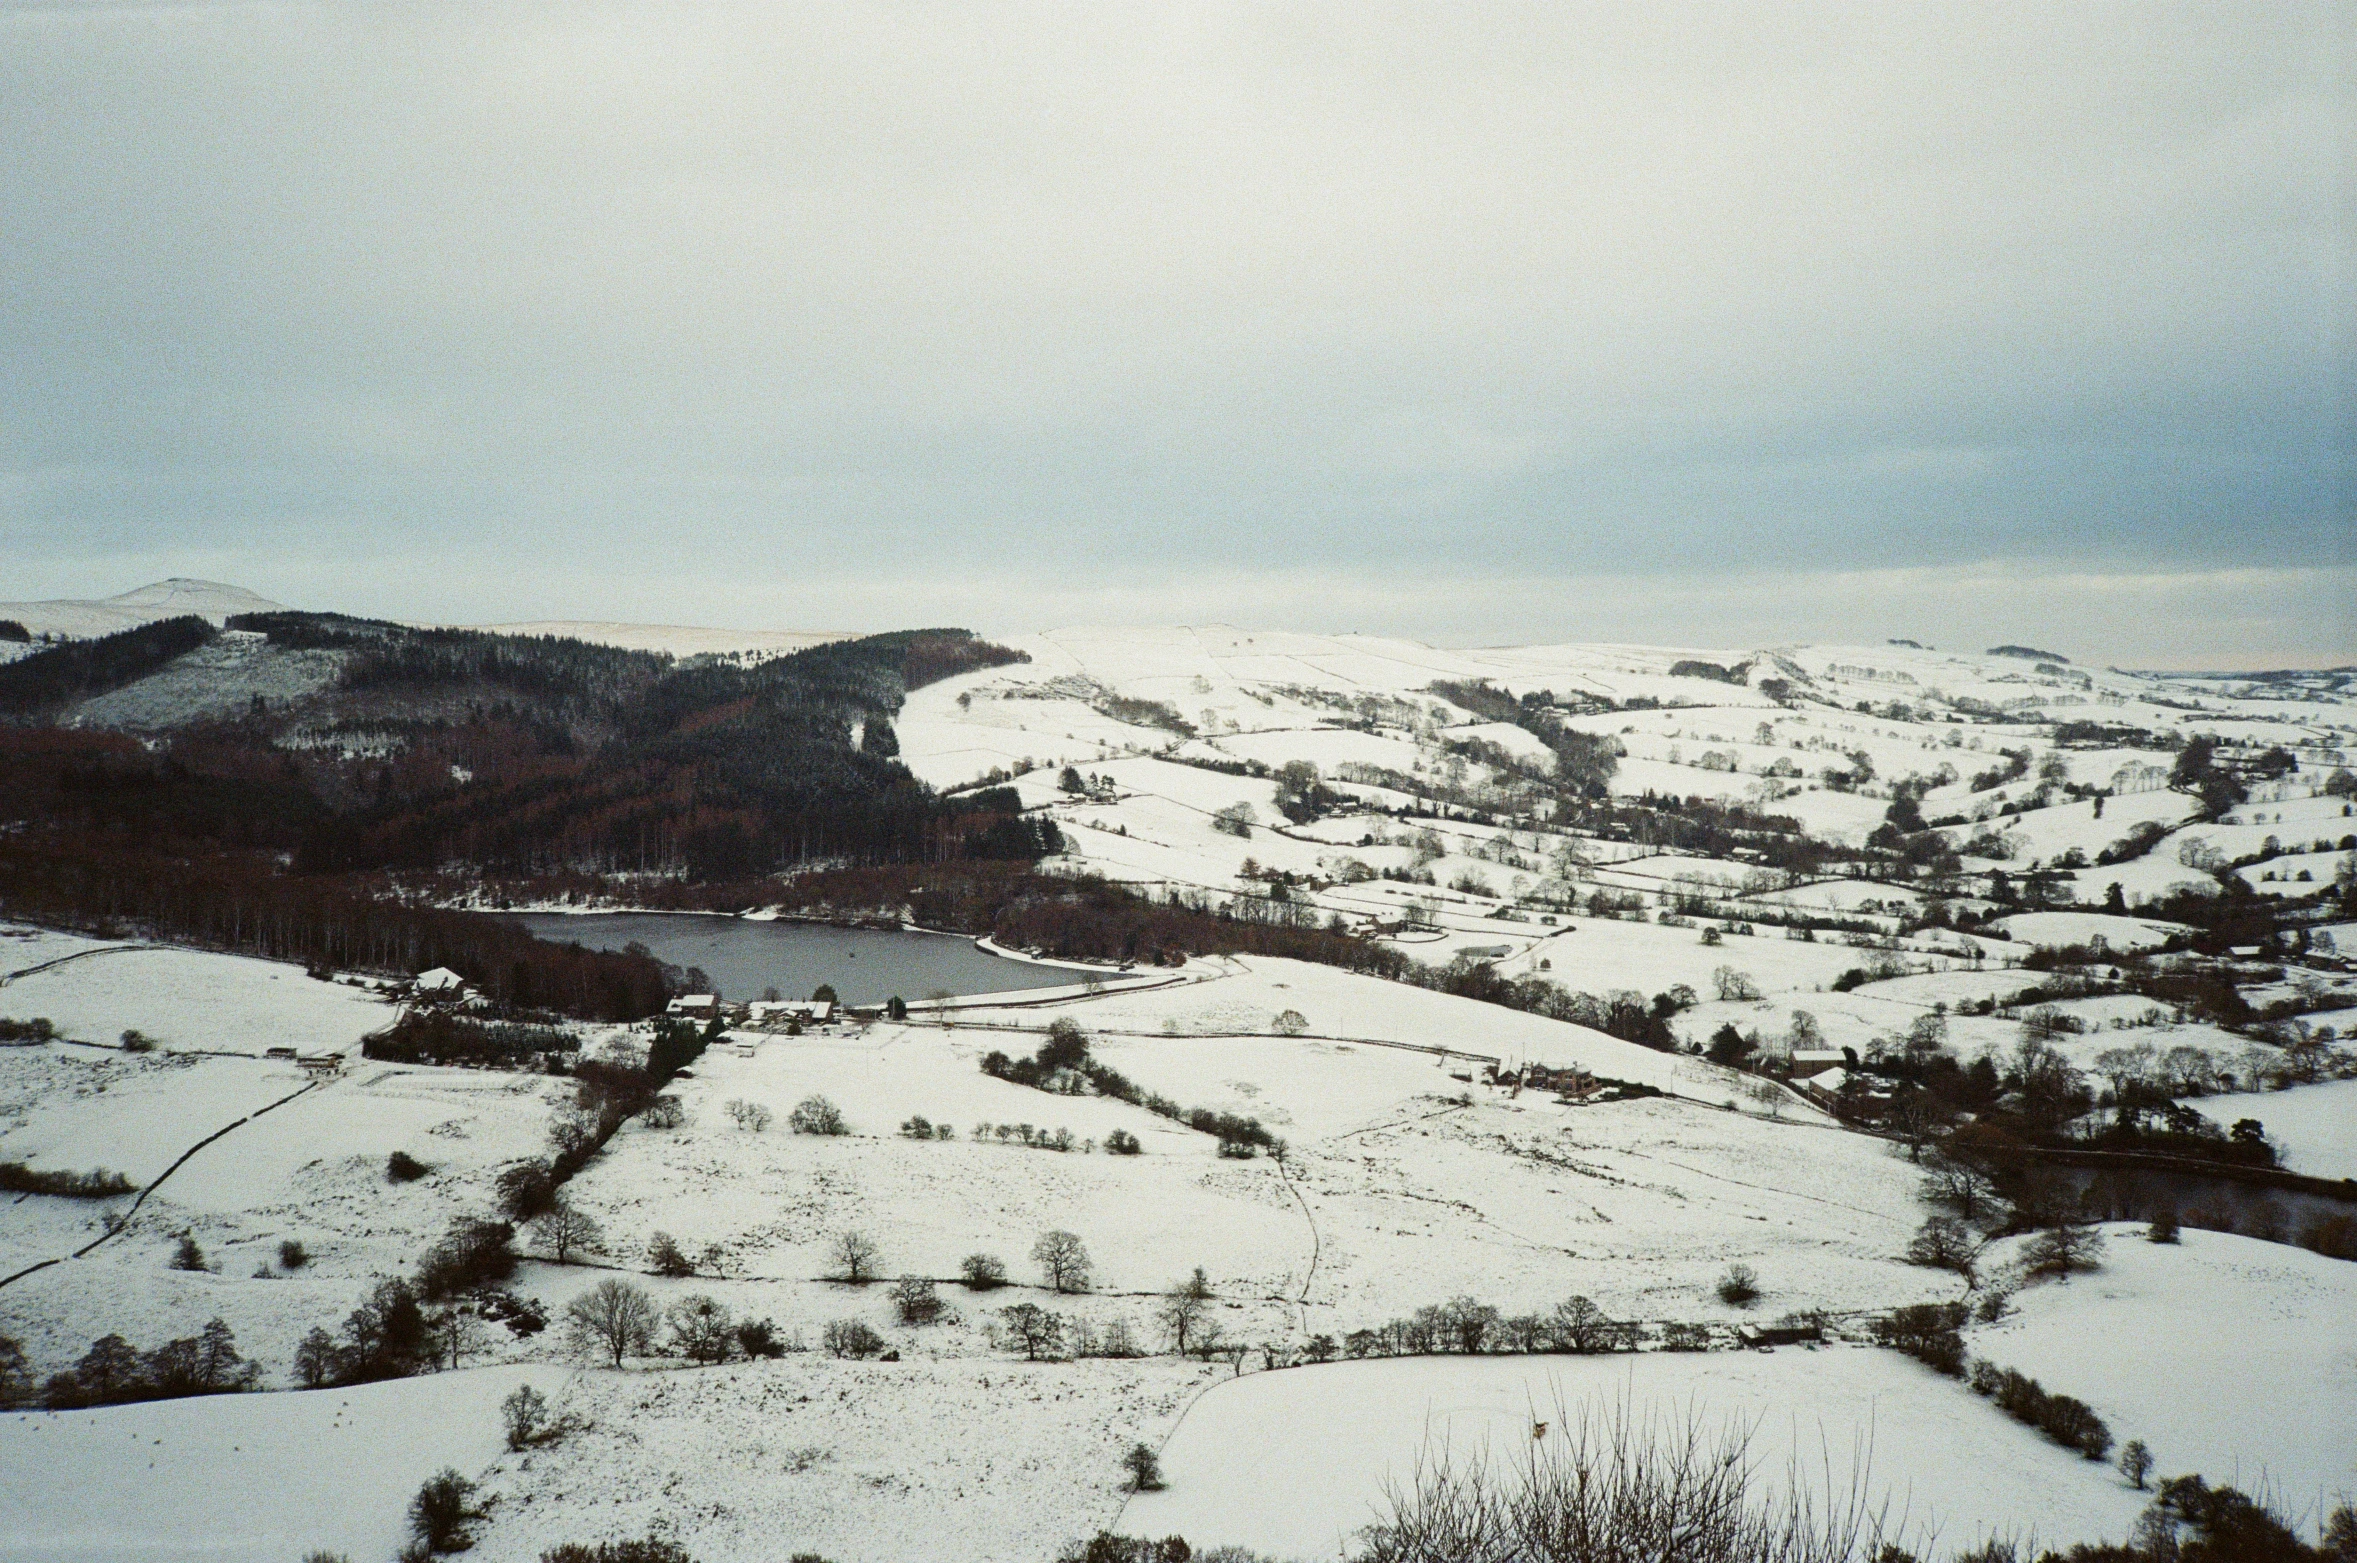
(1182, 1308)
(857, 1257)
(614, 1318)
(1063, 1259)
(564, 1227)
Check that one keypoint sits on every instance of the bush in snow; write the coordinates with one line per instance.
(666, 1257)
(1144, 1467)
(1121, 1142)
(1944, 1243)
(1739, 1287)
(2068, 1421)
(401, 1167)
(441, 1511)
(982, 1272)
(186, 1255)
(1928, 1332)
(752, 1117)
(651, 1549)
(1607, 1485)
(917, 1300)
(851, 1338)
(524, 1415)
(472, 1253)
(1106, 1547)
(292, 1255)
(2063, 1250)
(816, 1115)
(2163, 1228)
(759, 1338)
(17, 1178)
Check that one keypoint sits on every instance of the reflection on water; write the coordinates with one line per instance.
(746, 959)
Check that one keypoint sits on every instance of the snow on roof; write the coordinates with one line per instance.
(439, 979)
(1831, 1080)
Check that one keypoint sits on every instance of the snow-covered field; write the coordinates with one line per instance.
(1405, 1181)
(244, 1478)
(2227, 1355)
(1296, 1463)
(2313, 1126)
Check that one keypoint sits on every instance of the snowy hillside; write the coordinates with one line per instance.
(1672, 988)
(75, 620)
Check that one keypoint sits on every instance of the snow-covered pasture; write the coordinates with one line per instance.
(2051, 930)
(190, 1000)
(2228, 1356)
(244, 1478)
(1297, 1462)
(2314, 1127)
(998, 1462)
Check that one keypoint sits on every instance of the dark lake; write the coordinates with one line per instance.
(745, 959)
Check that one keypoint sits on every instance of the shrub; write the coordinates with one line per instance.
(401, 1167)
(982, 1272)
(138, 1042)
(186, 1255)
(917, 1300)
(17, 1178)
(666, 1257)
(472, 1253)
(441, 1511)
(2163, 1228)
(650, 1549)
(1122, 1143)
(524, 1414)
(759, 1338)
(1944, 1243)
(1144, 1467)
(751, 1117)
(1610, 1484)
(664, 1112)
(1928, 1332)
(2063, 1250)
(917, 1127)
(816, 1115)
(292, 1255)
(851, 1338)
(1739, 1287)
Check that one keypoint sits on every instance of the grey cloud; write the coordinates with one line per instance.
(831, 292)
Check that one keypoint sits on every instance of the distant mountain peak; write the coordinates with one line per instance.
(76, 618)
(183, 594)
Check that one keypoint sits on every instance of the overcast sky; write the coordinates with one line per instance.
(1476, 323)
